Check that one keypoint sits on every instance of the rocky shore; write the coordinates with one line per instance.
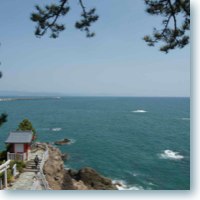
(60, 178)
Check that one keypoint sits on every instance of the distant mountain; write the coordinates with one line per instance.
(28, 94)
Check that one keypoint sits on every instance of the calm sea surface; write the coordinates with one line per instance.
(142, 142)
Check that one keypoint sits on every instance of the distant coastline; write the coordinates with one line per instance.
(46, 97)
(24, 94)
(26, 98)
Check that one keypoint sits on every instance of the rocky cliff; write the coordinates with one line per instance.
(60, 178)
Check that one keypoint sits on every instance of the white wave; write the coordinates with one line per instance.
(121, 185)
(185, 119)
(67, 166)
(152, 184)
(169, 154)
(72, 141)
(132, 173)
(56, 129)
(139, 111)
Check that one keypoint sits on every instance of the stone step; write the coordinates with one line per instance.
(31, 167)
(31, 163)
(31, 170)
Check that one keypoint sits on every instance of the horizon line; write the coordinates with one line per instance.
(65, 95)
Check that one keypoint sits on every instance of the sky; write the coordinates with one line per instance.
(116, 62)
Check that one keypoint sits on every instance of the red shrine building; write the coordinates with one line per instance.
(19, 145)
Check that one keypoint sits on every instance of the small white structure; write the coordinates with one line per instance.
(20, 144)
(3, 168)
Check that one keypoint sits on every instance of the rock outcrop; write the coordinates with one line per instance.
(54, 170)
(60, 178)
(92, 179)
(62, 142)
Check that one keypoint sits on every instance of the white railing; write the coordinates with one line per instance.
(14, 170)
(41, 174)
(3, 168)
(16, 156)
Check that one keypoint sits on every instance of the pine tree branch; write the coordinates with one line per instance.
(56, 17)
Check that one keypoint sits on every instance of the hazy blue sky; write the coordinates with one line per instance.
(116, 62)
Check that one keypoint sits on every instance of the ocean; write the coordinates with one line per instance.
(144, 143)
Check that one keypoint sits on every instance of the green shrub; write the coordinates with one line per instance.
(3, 155)
(10, 177)
(20, 165)
(12, 162)
(1, 175)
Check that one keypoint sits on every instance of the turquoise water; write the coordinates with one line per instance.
(123, 138)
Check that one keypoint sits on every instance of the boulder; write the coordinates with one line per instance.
(62, 142)
(94, 180)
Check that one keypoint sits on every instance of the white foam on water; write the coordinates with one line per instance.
(152, 184)
(169, 154)
(67, 167)
(56, 129)
(185, 119)
(139, 111)
(122, 185)
(72, 141)
(134, 174)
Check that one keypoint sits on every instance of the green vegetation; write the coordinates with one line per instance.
(46, 18)
(26, 125)
(174, 32)
(3, 117)
(3, 155)
(20, 165)
(10, 176)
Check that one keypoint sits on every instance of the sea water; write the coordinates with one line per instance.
(143, 143)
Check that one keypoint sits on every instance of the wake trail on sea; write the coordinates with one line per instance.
(185, 119)
(169, 154)
(56, 129)
(139, 111)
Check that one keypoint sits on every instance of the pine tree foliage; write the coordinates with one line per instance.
(87, 18)
(26, 125)
(174, 32)
(47, 19)
(3, 118)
